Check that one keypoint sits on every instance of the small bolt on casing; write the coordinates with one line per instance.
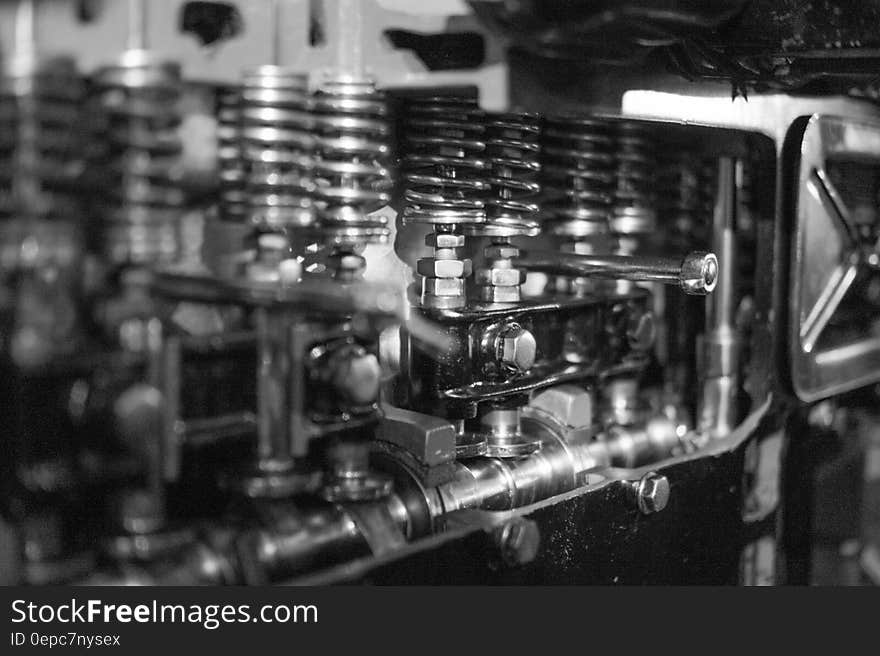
(650, 493)
(516, 348)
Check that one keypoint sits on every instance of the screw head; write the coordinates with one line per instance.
(517, 348)
(652, 493)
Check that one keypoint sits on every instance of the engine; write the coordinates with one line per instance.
(486, 292)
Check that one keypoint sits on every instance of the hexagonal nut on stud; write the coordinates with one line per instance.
(570, 405)
(444, 240)
(651, 493)
(433, 268)
(492, 294)
(443, 286)
(517, 348)
(500, 277)
(699, 273)
(500, 252)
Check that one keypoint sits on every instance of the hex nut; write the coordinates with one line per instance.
(499, 294)
(444, 240)
(500, 252)
(433, 268)
(443, 286)
(500, 277)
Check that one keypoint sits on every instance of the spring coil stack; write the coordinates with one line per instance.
(353, 178)
(578, 177)
(40, 146)
(8, 116)
(444, 172)
(685, 199)
(136, 158)
(634, 215)
(276, 148)
(685, 192)
(512, 152)
(232, 199)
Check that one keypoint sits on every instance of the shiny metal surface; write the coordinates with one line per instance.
(828, 257)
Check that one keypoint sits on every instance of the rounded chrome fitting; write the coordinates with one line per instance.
(699, 273)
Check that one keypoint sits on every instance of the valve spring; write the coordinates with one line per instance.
(578, 177)
(136, 159)
(352, 156)
(445, 177)
(40, 144)
(685, 202)
(277, 149)
(8, 115)
(512, 150)
(445, 169)
(634, 214)
(232, 206)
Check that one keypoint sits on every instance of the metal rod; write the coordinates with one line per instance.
(25, 36)
(137, 24)
(720, 344)
(272, 387)
(276, 32)
(350, 38)
(696, 273)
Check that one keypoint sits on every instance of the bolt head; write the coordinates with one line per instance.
(517, 348)
(653, 493)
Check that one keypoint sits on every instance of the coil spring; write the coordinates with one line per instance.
(634, 211)
(8, 121)
(444, 165)
(578, 176)
(352, 155)
(232, 205)
(685, 201)
(512, 152)
(276, 148)
(137, 158)
(40, 145)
